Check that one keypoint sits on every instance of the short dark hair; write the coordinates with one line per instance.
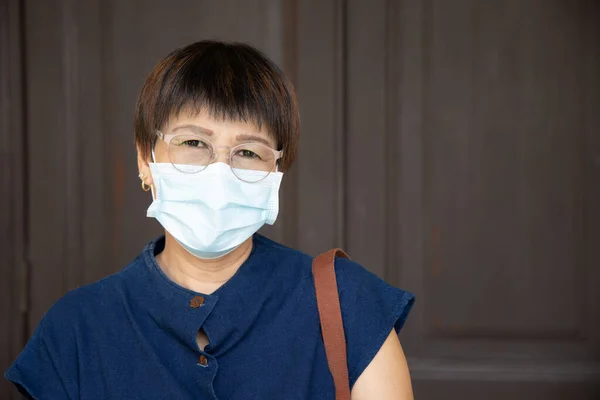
(233, 81)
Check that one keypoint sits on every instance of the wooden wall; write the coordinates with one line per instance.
(452, 147)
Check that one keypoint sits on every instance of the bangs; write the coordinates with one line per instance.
(226, 83)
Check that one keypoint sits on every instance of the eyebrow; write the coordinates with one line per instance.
(246, 137)
(242, 137)
(194, 128)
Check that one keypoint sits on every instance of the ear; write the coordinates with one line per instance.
(144, 168)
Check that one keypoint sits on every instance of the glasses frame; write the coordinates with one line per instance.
(278, 154)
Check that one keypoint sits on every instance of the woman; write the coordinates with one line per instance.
(212, 309)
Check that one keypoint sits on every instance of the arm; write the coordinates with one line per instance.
(387, 376)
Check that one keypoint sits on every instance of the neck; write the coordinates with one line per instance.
(200, 275)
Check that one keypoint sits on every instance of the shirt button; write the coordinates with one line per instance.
(203, 360)
(197, 301)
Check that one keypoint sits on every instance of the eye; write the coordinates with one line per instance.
(248, 154)
(193, 143)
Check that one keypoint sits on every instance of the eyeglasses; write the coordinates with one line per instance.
(190, 153)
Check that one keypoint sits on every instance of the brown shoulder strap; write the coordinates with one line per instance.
(330, 314)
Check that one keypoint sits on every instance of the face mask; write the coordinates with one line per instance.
(210, 213)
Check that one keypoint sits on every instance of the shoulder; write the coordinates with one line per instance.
(359, 287)
(287, 260)
(271, 248)
(45, 365)
(88, 302)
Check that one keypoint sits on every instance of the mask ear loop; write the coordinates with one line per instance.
(153, 189)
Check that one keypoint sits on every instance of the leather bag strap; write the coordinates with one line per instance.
(330, 314)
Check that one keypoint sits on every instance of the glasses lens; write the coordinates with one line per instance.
(252, 162)
(190, 153)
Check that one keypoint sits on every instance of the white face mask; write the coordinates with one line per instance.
(210, 213)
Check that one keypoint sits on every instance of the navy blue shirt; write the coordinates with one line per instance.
(132, 335)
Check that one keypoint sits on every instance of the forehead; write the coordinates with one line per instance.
(216, 126)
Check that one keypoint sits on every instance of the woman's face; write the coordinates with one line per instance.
(223, 134)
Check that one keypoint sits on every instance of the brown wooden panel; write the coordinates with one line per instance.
(469, 389)
(451, 147)
(13, 266)
(65, 159)
(88, 21)
(320, 164)
(46, 150)
(406, 63)
(368, 164)
(505, 142)
(497, 183)
(591, 223)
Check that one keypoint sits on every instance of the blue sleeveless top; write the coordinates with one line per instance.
(132, 335)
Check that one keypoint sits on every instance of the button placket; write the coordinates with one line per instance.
(202, 306)
(197, 302)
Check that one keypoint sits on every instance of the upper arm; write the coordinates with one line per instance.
(387, 376)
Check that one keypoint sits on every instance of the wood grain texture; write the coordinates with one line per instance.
(452, 148)
(407, 31)
(64, 150)
(367, 165)
(13, 262)
(504, 141)
(503, 157)
(320, 163)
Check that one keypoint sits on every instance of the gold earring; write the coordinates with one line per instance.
(145, 187)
